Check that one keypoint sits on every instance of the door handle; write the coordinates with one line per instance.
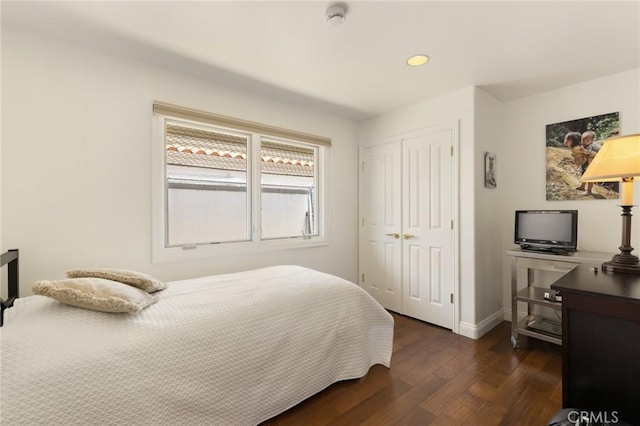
(394, 235)
(406, 236)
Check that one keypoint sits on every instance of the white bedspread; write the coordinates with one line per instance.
(232, 349)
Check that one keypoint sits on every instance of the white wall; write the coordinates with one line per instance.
(76, 168)
(76, 172)
(2, 247)
(523, 164)
(455, 106)
(488, 212)
(515, 132)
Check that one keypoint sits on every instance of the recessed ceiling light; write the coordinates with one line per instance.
(417, 60)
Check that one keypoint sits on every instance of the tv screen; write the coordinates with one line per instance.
(547, 230)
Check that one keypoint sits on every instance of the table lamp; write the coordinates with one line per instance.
(619, 160)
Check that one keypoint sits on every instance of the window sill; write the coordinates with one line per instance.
(176, 254)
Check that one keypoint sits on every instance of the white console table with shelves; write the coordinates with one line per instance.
(529, 269)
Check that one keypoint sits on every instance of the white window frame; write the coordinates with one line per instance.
(258, 183)
(161, 253)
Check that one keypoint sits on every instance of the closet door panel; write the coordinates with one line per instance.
(380, 224)
(427, 234)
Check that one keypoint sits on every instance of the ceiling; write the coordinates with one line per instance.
(288, 51)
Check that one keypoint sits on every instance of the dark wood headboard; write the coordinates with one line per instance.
(10, 258)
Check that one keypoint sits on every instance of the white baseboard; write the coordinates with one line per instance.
(476, 331)
(507, 315)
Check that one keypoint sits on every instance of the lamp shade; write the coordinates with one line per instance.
(618, 158)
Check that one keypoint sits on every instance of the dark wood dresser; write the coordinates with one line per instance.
(601, 342)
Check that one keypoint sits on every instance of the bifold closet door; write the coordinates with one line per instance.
(427, 234)
(380, 224)
(406, 237)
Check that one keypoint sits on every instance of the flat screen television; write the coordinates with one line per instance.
(554, 231)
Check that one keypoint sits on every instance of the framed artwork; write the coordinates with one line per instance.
(490, 178)
(570, 147)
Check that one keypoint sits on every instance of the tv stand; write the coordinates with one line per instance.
(551, 250)
(525, 266)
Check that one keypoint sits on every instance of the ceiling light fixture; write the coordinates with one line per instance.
(336, 13)
(417, 60)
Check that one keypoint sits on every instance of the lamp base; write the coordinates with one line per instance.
(623, 262)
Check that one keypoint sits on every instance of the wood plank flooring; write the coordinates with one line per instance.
(439, 378)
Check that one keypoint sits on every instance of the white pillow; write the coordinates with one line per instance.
(136, 279)
(96, 294)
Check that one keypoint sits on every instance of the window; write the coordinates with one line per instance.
(287, 186)
(206, 178)
(230, 186)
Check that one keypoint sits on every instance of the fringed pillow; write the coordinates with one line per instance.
(137, 279)
(97, 294)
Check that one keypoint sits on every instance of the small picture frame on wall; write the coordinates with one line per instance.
(490, 177)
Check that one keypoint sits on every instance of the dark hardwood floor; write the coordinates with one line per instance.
(439, 378)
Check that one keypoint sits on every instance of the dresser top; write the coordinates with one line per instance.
(583, 279)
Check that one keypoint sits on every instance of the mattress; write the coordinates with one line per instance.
(229, 349)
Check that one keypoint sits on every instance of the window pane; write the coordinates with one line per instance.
(207, 197)
(288, 190)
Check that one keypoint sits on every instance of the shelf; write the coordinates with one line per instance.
(533, 294)
(547, 337)
(581, 256)
(526, 268)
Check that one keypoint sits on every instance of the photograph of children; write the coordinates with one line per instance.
(570, 147)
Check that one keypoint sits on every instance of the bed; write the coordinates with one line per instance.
(233, 349)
